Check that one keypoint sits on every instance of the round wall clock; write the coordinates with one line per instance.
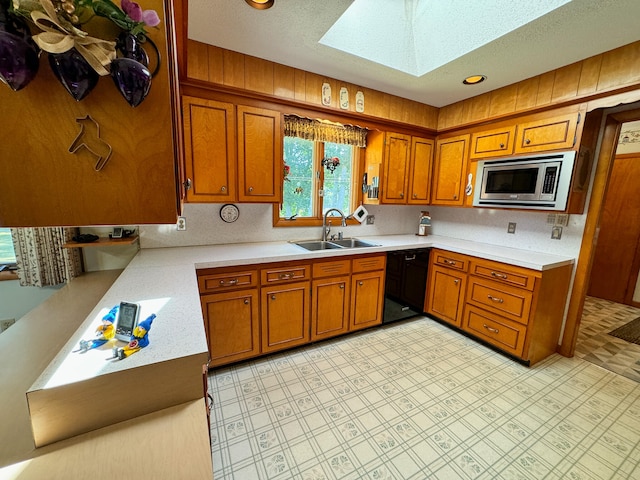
(229, 213)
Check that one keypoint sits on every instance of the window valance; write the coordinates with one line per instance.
(324, 131)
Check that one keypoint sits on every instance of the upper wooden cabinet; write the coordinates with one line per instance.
(46, 185)
(405, 163)
(260, 153)
(493, 143)
(558, 130)
(209, 149)
(555, 133)
(449, 169)
(232, 153)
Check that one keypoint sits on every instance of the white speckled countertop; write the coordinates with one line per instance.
(164, 282)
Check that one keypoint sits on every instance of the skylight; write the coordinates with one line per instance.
(418, 36)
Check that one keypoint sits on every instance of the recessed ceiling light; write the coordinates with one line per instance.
(474, 79)
(260, 4)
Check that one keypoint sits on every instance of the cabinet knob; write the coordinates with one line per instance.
(502, 145)
(273, 297)
(415, 195)
(456, 281)
(246, 301)
(527, 141)
(360, 283)
(455, 197)
(401, 195)
(223, 189)
(250, 189)
(187, 184)
(342, 287)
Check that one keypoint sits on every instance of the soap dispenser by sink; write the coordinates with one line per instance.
(424, 226)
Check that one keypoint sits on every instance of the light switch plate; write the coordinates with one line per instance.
(556, 233)
(371, 219)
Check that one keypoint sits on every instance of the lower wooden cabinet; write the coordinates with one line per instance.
(232, 325)
(515, 309)
(258, 309)
(285, 316)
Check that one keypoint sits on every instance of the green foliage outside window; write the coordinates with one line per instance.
(303, 183)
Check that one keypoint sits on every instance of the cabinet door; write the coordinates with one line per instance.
(44, 184)
(493, 143)
(231, 321)
(367, 299)
(285, 316)
(397, 148)
(449, 168)
(209, 150)
(420, 170)
(548, 134)
(259, 155)
(329, 307)
(446, 294)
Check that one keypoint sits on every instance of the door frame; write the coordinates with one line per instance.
(613, 118)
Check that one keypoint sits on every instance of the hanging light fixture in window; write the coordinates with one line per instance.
(260, 4)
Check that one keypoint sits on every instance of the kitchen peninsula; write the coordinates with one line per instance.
(169, 404)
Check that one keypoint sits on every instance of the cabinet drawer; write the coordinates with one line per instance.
(367, 264)
(450, 260)
(500, 299)
(329, 269)
(504, 334)
(493, 143)
(284, 273)
(215, 282)
(508, 274)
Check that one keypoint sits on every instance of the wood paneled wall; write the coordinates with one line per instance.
(595, 76)
(225, 67)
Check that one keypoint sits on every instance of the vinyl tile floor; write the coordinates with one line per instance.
(417, 400)
(595, 344)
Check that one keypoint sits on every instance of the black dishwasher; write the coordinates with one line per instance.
(405, 284)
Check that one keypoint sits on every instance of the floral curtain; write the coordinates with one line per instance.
(324, 131)
(40, 258)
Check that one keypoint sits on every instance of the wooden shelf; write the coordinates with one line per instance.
(103, 242)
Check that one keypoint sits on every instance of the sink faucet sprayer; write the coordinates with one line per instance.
(326, 229)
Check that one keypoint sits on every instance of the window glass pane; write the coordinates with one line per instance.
(7, 255)
(298, 187)
(337, 184)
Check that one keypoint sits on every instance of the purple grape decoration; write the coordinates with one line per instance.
(19, 55)
(75, 74)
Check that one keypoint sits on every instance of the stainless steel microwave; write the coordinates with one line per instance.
(540, 182)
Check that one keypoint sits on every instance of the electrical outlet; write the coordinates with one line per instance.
(551, 219)
(371, 219)
(562, 219)
(512, 227)
(182, 224)
(4, 324)
(556, 233)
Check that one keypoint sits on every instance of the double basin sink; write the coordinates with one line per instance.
(334, 244)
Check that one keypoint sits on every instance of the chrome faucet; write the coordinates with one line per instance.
(327, 228)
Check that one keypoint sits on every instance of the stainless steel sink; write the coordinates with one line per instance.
(334, 244)
(352, 243)
(317, 245)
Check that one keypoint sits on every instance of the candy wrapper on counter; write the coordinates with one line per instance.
(105, 332)
(139, 339)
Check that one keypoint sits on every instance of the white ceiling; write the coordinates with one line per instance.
(290, 33)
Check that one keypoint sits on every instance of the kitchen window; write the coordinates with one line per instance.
(7, 254)
(321, 170)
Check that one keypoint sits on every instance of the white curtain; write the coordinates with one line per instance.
(40, 258)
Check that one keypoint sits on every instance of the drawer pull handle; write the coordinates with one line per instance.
(446, 261)
(286, 276)
(409, 259)
(499, 275)
(229, 283)
(492, 330)
(495, 299)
